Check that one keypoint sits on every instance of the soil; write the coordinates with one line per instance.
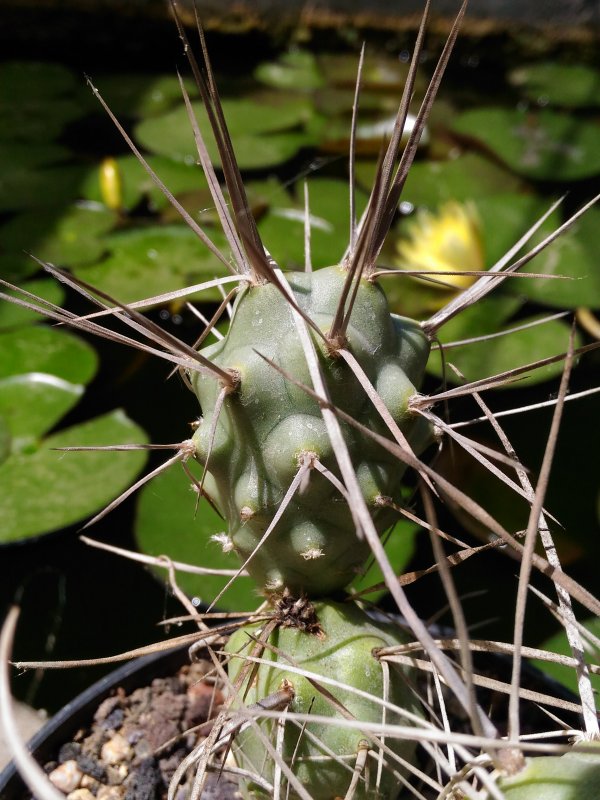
(137, 740)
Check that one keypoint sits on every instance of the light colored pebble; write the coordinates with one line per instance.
(87, 782)
(110, 793)
(80, 794)
(116, 750)
(67, 776)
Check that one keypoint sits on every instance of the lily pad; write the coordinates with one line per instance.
(482, 359)
(131, 95)
(568, 85)
(282, 228)
(543, 145)
(39, 348)
(151, 261)
(12, 316)
(30, 154)
(37, 100)
(468, 177)
(136, 182)
(167, 525)
(296, 70)
(574, 254)
(399, 548)
(32, 403)
(72, 239)
(249, 119)
(42, 490)
(47, 187)
(559, 644)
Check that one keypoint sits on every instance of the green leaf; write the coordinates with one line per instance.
(295, 70)
(282, 228)
(482, 359)
(151, 261)
(39, 348)
(399, 547)
(543, 145)
(574, 254)
(12, 316)
(255, 124)
(5, 440)
(131, 95)
(49, 187)
(166, 524)
(468, 177)
(568, 85)
(30, 154)
(559, 644)
(136, 183)
(32, 403)
(42, 490)
(72, 238)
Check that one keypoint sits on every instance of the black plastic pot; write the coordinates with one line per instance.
(61, 727)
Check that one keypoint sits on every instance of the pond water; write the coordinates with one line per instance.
(507, 137)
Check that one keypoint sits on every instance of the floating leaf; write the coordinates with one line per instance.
(30, 154)
(282, 228)
(399, 547)
(71, 239)
(574, 254)
(468, 177)
(568, 85)
(248, 119)
(5, 440)
(42, 490)
(131, 95)
(37, 100)
(12, 316)
(152, 261)
(481, 359)
(136, 183)
(47, 187)
(167, 525)
(543, 145)
(295, 70)
(32, 403)
(39, 348)
(559, 644)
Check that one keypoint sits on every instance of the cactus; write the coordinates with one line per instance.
(573, 776)
(267, 426)
(339, 648)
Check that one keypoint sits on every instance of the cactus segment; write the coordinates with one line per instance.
(343, 652)
(574, 776)
(269, 426)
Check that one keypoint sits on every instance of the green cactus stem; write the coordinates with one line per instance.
(269, 427)
(324, 755)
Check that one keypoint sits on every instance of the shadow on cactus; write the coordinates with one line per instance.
(311, 414)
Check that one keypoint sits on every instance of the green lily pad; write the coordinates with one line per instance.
(574, 254)
(249, 119)
(568, 85)
(399, 548)
(482, 359)
(296, 70)
(37, 100)
(468, 177)
(5, 440)
(543, 145)
(12, 316)
(151, 261)
(559, 644)
(30, 154)
(42, 490)
(282, 228)
(39, 348)
(131, 95)
(72, 239)
(48, 187)
(136, 183)
(33, 403)
(166, 525)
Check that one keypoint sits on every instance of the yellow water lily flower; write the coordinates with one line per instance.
(449, 240)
